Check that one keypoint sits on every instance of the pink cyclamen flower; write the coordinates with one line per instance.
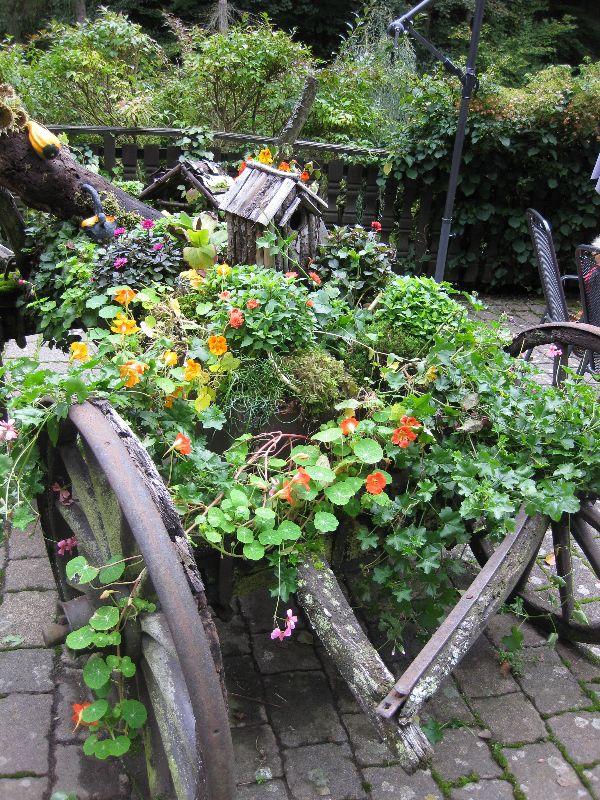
(291, 619)
(66, 545)
(376, 226)
(277, 633)
(8, 430)
(158, 246)
(64, 495)
(147, 224)
(21, 282)
(119, 262)
(290, 623)
(554, 351)
(119, 231)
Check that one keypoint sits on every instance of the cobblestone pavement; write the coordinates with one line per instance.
(297, 732)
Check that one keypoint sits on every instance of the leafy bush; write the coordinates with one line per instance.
(356, 261)
(139, 257)
(318, 380)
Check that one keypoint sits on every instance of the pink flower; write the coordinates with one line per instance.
(277, 633)
(119, 262)
(290, 623)
(252, 304)
(314, 278)
(554, 351)
(119, 231)
(291, 619)
(64, 495)
(291, 275)
(376, 226)
(147, 224)
(236, 318)
(224, 295)
(8, 430)
(21, 282)
(158, 246)
(66, 545)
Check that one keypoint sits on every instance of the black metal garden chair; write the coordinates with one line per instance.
(587, 259)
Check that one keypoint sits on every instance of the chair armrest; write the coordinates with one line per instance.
(569, 278)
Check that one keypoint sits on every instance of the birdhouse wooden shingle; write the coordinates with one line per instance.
(263, 196)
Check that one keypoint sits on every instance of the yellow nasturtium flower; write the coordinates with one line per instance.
(192, 370)
(124, 324)
(265, 156)
(204, 399)
(170, 358)
(125, 296)
(80, 351)
(223, 270)
(195, 279)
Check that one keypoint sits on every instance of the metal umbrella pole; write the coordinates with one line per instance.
(469, 82)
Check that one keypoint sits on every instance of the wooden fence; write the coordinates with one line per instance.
(354, 187)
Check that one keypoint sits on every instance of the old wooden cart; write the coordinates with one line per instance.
(122, 506)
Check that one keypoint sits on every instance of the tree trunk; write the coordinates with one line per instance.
(79, 10)
(222, 16)
(55, 185)
(299, 115)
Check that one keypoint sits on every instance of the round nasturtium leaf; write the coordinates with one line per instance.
(112, 571)
(134, 713)
(96, 672)
(104, 618)
(94, 712)
(253, 551)
(90, 745)
(128, 668)
(81, 638)
(325, 522)
(102, 749)
(368, 451)
(289, 531)
(119, 746)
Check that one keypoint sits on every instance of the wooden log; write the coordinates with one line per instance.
(355, 657)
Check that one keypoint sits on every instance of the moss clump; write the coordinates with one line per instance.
(112, 207)
(320, 380)
(188, 302)
(8, 284)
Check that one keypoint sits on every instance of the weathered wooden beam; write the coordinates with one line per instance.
(461, 628)
(355, 657)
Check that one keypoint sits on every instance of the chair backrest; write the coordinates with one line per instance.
(545, 256)
(587, 259)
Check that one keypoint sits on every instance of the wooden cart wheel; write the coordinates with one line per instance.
(549, 590)
(119, 505)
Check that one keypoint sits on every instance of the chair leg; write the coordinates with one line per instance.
(584, 363)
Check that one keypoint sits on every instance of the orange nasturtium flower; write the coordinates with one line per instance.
(302, 477)
(217, 345)
(125, 296)
(170, 398)
(170, 358)
(78, 709)
(195, 279)
(284, 167)
(192, 370)
(349, 425)
(404, 435)
(252, 304)
(223, 270)
(305, 176)
(182, 444)
(124, 324)
(375, 482)
(131, 372)
(80, 351)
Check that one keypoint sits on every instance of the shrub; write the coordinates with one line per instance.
(356, 261)
(319, 380)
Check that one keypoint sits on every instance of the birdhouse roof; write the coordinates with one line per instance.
(260, 192)
(201, 175)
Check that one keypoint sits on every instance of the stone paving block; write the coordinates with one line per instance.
(22, 788)
(30, 573)
(392, 783)
(233, 636)
(511, 718)
(549, 683)
(245, 692)
(584, 669)
(447, 704)
(462, 752)
(593, 776)
(305, 712)
(579, 732)
(87, 777)
(484, 790)
(271, 790)
(501, 624)
(257, 609)
(27, 544)
(71, 689)
(26, 614)
(26, 671)
(543, 774)
(323, 770)
(24, 729)
(256, 754)
(368, 748)
(3, 556)
(479, 674)
(287, 656)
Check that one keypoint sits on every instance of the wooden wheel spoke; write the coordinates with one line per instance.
(561, 540)
(588, 538)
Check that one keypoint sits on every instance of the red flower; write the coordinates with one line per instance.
(405, 434)
(302, 477)
(411, 421)
(310, 303)
(285, 493)
(349, 425)
(375, 482)
(182, 444)
(305, 176)
(224, 295)
(290, 275)
(376, 226)
(242, 167)
(251, 304)
(78, 709)
(315, 278)
(236, 318)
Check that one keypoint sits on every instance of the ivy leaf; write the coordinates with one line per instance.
(95, 711)
(104, 618)
(368, 451)
(134, 713)
(81, 638)
(22, 517)
(325, 522)
(433, 730)
(96, 672)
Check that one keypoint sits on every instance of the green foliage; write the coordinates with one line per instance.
(319, 380)
(355, 261)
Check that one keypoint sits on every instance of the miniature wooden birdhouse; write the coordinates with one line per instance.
(263, 196)
(203, 177)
